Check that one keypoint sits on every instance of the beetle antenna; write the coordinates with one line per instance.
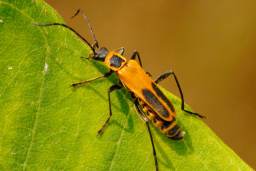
(69, 28)
(76, 13)
(86, 19)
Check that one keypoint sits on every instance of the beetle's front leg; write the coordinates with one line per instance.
(82, 83)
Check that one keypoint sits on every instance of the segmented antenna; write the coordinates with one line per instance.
(86, 19)
(68, 27)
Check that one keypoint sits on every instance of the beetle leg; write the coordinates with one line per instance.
(167, 74)
(82, 83)
(111, 89)
(163, 76)
(140, 112)
(153, 146)
(135, 55)
(83, 58)
(149, 74)
(120, 50)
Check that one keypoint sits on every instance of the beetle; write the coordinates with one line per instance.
(151, 104)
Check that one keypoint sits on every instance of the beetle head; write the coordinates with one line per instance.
(101, 54)
(113, 59)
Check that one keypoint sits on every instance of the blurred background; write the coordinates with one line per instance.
(209, 44)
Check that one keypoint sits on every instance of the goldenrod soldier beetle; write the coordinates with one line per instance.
(152, 105)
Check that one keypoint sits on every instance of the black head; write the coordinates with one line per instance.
(113, 59)
(101, 54)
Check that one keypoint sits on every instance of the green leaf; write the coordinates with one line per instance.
(46, 125)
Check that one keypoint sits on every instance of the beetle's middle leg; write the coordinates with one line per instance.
(110, 90)
(166, 75)
(135, 55)
(82, 83)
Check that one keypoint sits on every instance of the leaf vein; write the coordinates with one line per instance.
(35, 122)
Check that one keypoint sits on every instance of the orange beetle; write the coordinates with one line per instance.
(152, 105)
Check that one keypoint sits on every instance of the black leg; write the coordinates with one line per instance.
(83, 58)
(139, 109)
(140, 112)
(167, 74)
(149, 74)
(136, 55)
(120, 50)
(153, 146)
(111, 89)
(82, 83)
(163, 76)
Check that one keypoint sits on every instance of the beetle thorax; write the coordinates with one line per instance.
(114, 61)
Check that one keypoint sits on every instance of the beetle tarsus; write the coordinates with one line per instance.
(166, 75)
(194, 113)
(83, 58)
(101, 131)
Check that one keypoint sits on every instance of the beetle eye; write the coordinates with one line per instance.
(116, 61)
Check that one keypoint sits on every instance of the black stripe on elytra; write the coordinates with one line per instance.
(163, 97)
(166, 124)
(154, 102)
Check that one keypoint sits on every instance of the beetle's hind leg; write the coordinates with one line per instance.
(166, 75)
(153, 146)
(140, 112)
(110, 90)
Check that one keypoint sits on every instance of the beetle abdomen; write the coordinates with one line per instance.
(169, 128)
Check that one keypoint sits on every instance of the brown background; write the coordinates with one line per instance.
(209, 44)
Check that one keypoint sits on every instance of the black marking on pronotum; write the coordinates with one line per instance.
(163, 97)
(116, 61)
(152, 100)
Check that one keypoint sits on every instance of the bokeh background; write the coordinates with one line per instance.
(209, 44)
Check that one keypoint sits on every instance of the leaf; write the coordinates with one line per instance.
(46, 125)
